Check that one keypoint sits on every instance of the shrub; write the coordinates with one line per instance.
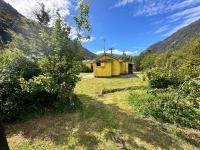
(163, 78)
(85, 69)
(13, 65)
(29, 85)
(173, 106)
(169, 109)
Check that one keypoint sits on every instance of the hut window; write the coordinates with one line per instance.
(98, 64)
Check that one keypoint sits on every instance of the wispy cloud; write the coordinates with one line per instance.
(184, 4)
(123, 3)
(182, 19)
(162, 29)
(180, 12)
(187, 13)
(156, 7)
(181, 25)
(73, 36)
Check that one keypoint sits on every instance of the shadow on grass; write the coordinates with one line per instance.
(96, 123)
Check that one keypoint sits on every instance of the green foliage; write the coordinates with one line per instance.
(13, 65)
(173, 77)
(82, 23)
(137, 63)
(178, 107)
(59, 70)
(163, 78)
(42, 15)
(181, 107)
(85, 69)
(30, 83)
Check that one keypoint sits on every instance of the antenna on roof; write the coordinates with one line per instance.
(124, 52)
(111, 50)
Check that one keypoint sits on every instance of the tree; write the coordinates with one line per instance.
(137, 63)
(82, 24)
(42, 15)
(26, 80)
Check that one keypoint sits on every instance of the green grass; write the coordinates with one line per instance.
(106, 122)
(138, 101)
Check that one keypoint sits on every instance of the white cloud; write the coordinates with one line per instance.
(183, 24)
(26, 7)
(188, 12)
(88, 40)
(184, 4)
(118, 52)
(156, 7)
(180, 14)
(186, 17)
(73, 36)
(123, 3)
(162, 29)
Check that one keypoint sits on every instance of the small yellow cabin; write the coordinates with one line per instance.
(108, 65)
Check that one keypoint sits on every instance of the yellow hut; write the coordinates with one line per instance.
(108, 65)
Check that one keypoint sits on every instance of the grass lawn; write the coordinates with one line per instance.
(106, 121)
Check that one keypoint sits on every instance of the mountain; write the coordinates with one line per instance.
(174, 41)
(8, 18)
(12, 21)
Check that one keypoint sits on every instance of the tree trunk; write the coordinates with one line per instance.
(3, 140)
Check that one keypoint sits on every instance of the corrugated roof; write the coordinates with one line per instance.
(114, 56)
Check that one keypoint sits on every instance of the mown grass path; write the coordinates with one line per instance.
(106, 121)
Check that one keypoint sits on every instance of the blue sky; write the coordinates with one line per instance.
(127, 25)
(133, 25)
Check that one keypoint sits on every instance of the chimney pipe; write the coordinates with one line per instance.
(111, 51)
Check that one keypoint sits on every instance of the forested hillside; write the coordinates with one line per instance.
(176, 40)
(11, 22)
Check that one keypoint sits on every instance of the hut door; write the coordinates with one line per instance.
(92, 68)
(130, 68)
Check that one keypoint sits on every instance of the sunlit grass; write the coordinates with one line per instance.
(106, 122)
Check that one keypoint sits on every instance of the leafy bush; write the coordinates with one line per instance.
(29, 84)
(174, 110)
(85, 69)
(38, 75)
(13, 65)
(173, 106)
(163, 78)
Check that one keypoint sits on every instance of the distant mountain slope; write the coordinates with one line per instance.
(178, 38)
(8, 17)
(12, 21)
